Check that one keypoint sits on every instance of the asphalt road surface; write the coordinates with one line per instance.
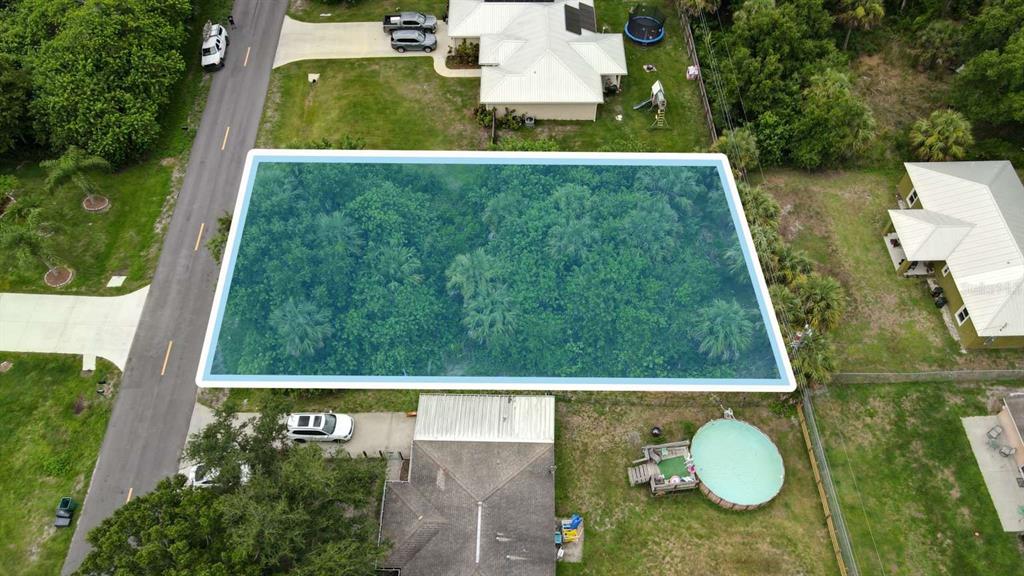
(150, 420)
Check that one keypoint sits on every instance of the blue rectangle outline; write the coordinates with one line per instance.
(231, 251)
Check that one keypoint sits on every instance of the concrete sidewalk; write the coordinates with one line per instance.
(349, 40)
(88, 325)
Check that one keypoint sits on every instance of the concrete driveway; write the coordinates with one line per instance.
(376, 433)
(349, 40)
(88, 325)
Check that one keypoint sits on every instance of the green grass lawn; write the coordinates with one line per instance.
(630, 532)
(891, 324)
(909, 485)
(50, 434)
(361, 10)
(403, 104)
(125, 240)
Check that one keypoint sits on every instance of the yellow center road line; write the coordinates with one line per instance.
(225, 142)
(246, 56)
(167, 356)
(129, 499)
(199, 238)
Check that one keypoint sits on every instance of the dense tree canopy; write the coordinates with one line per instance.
(92, 73)
(494, 271)
(834, 122)
(298, 513)
(15, 87)
(777, 71)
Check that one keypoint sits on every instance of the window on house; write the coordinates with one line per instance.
(962, 315)
(912, 198)
(945, 270)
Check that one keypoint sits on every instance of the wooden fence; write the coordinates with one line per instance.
(691, 50)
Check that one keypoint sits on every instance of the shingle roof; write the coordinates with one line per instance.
(528, 55)
(475, 508)
(987, 263)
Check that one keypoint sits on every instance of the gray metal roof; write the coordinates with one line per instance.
(485, 418)
(987, 262)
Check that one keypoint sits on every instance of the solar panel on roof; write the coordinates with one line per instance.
(572, 20)
(588, 18)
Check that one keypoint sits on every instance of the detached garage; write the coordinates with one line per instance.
(480, 498)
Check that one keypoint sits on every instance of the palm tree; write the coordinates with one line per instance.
(23, 236)
(822, 300)
(724, 330)
(787, 306)
(740, 145)
(490, 314)
(74, 166)
(945, 135)
(736, 263)
(337, 229)
(793, 263)
(814, 360)
(859, 14)
(396, 264)
(569, 238)
(301, 325)
(470, 274)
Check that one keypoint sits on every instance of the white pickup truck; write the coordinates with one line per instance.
(215, 46)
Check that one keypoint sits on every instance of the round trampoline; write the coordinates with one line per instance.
(739, 467)
(646, 25)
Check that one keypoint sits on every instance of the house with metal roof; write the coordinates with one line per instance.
(480, 494)
(961, 225)
(544, 59)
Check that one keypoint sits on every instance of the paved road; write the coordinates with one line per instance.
(151, 416)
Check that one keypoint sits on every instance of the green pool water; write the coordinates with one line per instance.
(737, 462)
(673, 467)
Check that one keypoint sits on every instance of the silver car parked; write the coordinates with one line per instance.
(403, 40)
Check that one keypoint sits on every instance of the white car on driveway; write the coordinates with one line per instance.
(320, 427)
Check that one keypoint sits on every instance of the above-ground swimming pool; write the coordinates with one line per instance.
(495, 270)
(738, 465)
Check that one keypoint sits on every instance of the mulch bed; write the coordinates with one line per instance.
(95, 203)
(59, 276)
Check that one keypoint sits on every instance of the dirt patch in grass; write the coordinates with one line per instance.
(896, 91)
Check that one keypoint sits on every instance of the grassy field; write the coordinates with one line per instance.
(404, 104)
(629, 532)
(124, 240)
(909, 485)
(891, 323)
(50, 434)
(360, 11)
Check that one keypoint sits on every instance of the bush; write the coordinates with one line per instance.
(466, 54)
(509, 121)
